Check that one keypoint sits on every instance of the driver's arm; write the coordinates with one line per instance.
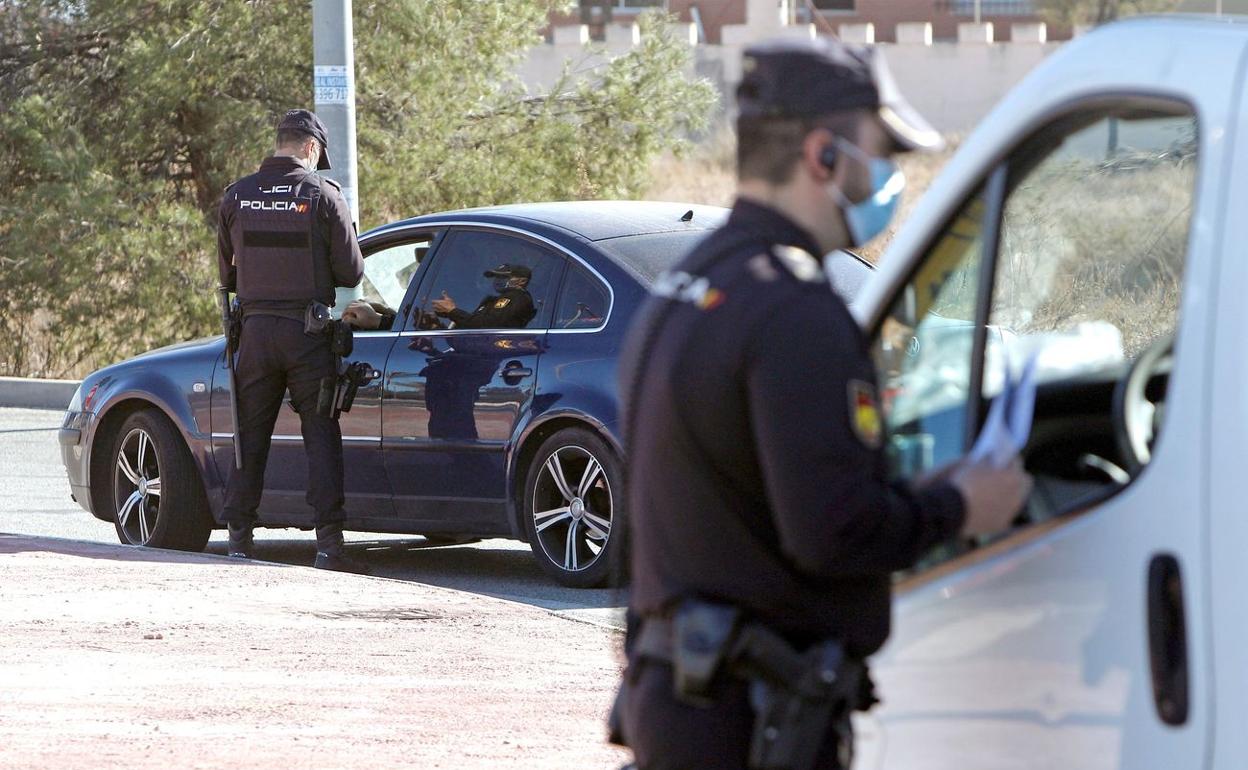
(363, 314)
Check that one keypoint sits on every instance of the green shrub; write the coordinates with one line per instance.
(121, 121)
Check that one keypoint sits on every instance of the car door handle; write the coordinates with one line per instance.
(1167, 639)
(515, 370)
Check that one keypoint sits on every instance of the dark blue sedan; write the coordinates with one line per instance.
(470, 432)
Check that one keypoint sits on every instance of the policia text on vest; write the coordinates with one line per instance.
(285, 241)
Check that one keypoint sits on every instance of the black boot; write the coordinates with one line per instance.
(330, 555)
(241, 543)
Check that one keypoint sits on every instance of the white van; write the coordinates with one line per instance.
(1099, 219)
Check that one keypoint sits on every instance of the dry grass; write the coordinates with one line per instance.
(707, 175)
(1093, 242)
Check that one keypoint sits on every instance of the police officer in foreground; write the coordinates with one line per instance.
(764, 530)
(285, 240)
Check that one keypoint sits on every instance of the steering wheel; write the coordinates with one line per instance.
(1136, 418)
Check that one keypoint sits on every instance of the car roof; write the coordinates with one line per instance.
(590, 220)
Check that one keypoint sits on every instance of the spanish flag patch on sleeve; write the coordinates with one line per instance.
(864, 414)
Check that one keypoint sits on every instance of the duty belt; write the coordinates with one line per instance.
(797, 696)
(754, 651)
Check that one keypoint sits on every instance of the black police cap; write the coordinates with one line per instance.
(509, 271)
(803, 78)
(307, 122)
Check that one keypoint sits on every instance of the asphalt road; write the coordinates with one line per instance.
(34, 500)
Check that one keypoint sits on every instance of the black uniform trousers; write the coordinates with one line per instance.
(666, 734)
(274, 354)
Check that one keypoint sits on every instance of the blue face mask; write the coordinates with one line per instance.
(871, 216)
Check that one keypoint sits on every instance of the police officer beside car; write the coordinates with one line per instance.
(764, 528)
(285, 241)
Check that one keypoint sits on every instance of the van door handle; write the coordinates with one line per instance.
(1167, 639)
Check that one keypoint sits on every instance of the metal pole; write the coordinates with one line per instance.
(1218, 7)
(979, 11)
(333, 59)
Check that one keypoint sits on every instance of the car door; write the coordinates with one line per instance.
(389, 267)
(455, 390)
(1076, 640)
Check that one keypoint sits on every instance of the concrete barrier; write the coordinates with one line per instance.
(31, 393)
(859, 34)
(972, 33)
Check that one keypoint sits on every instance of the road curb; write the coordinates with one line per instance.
(33, 393)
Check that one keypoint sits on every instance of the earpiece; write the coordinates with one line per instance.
(827, 157)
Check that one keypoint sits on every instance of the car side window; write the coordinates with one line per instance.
(490, 281)
(388, 271)
(583, 303)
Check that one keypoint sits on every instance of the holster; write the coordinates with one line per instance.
(792, 718)
(797, 696)
(337, 393)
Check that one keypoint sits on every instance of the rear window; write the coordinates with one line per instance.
(649, 255)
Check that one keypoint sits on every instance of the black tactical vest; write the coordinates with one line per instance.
(277, 253)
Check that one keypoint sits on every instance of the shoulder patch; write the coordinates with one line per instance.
(801, 263)
(864, 414)
(690, 289)
(502, 303)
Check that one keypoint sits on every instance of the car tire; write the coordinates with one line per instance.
(154, 488)
(574, 509)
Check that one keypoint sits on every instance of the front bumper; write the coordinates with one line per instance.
(74, 455)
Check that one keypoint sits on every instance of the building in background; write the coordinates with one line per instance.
(944, 15)
(930, 44)
(828, 15)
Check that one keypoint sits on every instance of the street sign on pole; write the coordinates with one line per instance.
(333, 79)
(333, 59)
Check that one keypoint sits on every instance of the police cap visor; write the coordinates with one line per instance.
(509, 271)
(789, 78)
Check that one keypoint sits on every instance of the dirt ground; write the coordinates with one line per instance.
(118, 657)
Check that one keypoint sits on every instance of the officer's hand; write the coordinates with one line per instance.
(991, 496)
(361, 315)
(443, 305)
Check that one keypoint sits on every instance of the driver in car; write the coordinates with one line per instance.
(510, 307)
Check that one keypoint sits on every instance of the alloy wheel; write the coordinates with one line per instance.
(137, 487)
(572, 508)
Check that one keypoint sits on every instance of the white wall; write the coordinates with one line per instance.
(953, 85)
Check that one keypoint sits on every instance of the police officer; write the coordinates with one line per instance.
(510, 307)
(756, 478)
(285, 239)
